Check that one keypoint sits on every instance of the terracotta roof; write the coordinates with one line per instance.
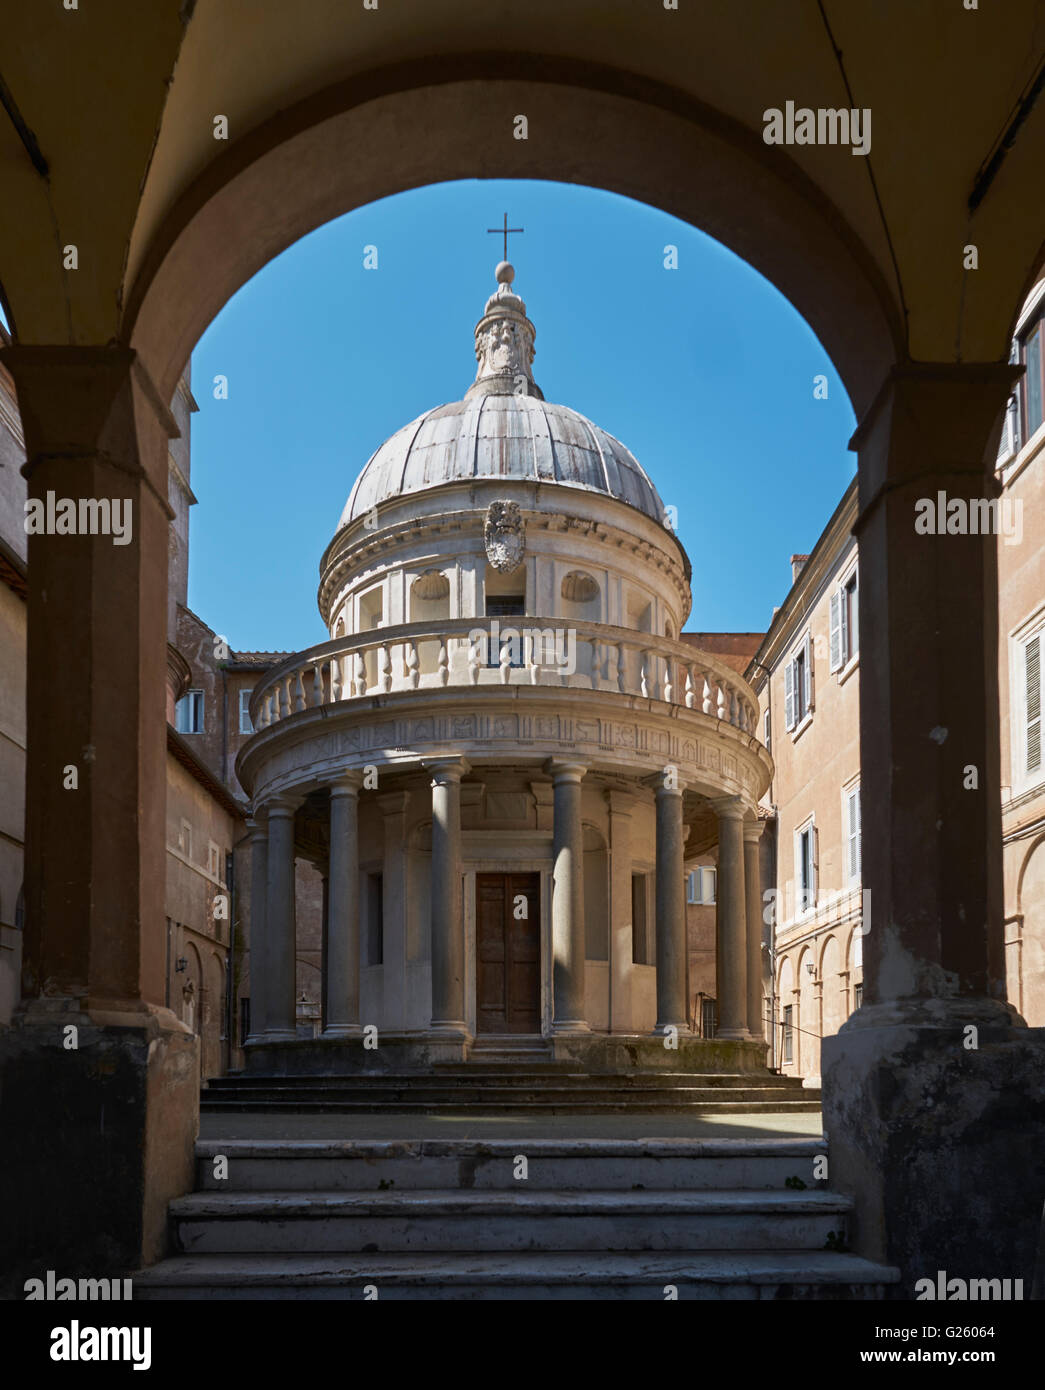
(258, 658)
(735, 648)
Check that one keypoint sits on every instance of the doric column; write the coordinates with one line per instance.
(621, 930)
(731, 921)
(259, 845)
(446, 915)
(281, 952)
(671, 910)
(753, 910)
(568, 1007)
(393, 807)
(341, 984)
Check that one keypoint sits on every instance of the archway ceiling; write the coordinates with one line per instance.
(121, 96)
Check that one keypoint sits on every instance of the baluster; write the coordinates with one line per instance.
(722, 707)
(284, 697)
(335, 677)
(299, 691)
(444, 665)
(643, 682)
(689, 687)
(262, 718)
(413, 674)
(358, 686)
(384, 669)
(706, 706)
(505, 662)
(733, 719)
(317, 685)
(669, 689)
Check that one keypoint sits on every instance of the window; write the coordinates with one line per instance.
(213, 859)
(506, 606)
(701, 885)
(767, 731)
(375, 919)
(852, 834)
(188, 713)
(798, 684)
(245, 726)
(640, 944)
(1033, 385)
(1030, 693)
(858, 995)
(789, 1033)
(845, 636)
(185, 839)
(805, 867)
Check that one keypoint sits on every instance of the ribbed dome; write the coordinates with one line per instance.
(503, 428)
(502, 436)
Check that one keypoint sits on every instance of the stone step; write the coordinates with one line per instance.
(450, 1221)
(301, 1165)
(516, 1077)
(709, 1275)
(536, 1105)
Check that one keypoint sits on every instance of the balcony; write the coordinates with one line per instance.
(499, 652)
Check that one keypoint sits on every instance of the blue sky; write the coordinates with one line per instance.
(704, 372)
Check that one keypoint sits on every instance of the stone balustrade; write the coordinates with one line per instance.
(499, 652)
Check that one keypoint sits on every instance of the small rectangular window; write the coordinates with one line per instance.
(789, 1033)
(1032, 381)
(375, 919)
(767, 732)
(188, 713)
(1032, 697)
(185, 839)
(850, 618)
(858, 995)
(245, 725)
(640, 946)
(701, 884)
(852, 831)
(805, 868)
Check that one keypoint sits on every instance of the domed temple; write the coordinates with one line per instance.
(500, 755)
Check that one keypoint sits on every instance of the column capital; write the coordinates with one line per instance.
(729, 807)
(448, 769)
(257, 824)
(659, 788)
(283, 804)
(565, 769)
(346, 784)
(753, 831)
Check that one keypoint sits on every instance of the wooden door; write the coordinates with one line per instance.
(508, 950)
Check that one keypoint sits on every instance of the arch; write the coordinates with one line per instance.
(833, 994)
(1030, 962)
(615, 130)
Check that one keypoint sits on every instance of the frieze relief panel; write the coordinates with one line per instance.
(321, 757)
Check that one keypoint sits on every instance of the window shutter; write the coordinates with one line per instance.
(1032, 658)
(789, 695)
(809, 671)
(854, 834)
(854, 617)
(836, 629)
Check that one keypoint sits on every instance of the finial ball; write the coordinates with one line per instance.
(505, 273)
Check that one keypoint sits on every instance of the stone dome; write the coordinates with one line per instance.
(503, 429)
(517, 437)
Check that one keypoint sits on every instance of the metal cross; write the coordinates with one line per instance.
(504, 231)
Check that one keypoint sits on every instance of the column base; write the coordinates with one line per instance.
(570, 1025)
(734, 1034)
(82, 1197)
(937, 1133)
(342, 1030)
(279, 1035)
(663, 1030)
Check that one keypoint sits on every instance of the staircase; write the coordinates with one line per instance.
(510, 1084)
(463, 1219)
